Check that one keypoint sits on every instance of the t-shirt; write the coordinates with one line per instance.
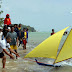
(1, 33)
(52, 33)
(13, 36)
(4, 45)
(25, 34)
(17, 31)
(7, 21)
(19, 28)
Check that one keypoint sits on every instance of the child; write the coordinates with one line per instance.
(24, 42)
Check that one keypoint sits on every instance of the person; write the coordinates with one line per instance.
(14, 39)
(24, 42)
(20, 38)
(52, 32)
(5, 30)
(7, 20)
(19, 27)
(1, 33)
(27, 34)
(3, 45)
(65, 33)
(16, 29)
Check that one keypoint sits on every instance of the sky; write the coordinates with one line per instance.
(43, 15)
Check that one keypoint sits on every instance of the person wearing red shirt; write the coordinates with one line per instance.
(52, 32)
(7, 20)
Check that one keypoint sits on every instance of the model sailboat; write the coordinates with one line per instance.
(49, 48)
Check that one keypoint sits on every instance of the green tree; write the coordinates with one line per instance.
(1, 19)
(31, 29)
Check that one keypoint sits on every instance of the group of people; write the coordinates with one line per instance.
(11, 36)
(54, 32)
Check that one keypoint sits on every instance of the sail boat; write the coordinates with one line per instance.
(49, 48)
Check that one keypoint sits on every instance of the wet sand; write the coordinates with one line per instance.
(22, 65)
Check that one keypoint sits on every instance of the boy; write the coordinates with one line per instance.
(24, 42)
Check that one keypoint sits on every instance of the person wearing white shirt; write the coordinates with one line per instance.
(4, 44)
(1, 33)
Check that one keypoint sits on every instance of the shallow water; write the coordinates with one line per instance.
(22, 65)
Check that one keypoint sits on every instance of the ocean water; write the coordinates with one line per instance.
(25, 65)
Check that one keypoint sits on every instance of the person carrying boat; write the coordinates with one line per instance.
(4, 44)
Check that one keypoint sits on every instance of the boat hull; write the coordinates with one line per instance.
(44, 64)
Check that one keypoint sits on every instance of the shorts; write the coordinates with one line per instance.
(14, 47)
(1, 54)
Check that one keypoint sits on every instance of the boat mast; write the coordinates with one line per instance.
(61, 48)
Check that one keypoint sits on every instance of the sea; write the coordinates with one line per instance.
(28, 64)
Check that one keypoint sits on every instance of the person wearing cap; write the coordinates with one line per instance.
(7, 20)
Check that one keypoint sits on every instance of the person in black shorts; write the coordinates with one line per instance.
(3, 45)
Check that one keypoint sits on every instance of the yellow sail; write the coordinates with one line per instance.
(49, 47)
(66, 51)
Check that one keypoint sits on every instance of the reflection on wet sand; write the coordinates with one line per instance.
(62, 69)
(3, 70)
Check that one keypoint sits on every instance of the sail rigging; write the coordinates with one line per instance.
(66, 50)
(49, 47)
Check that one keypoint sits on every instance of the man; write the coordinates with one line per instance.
(3, 45)
(16, 29)
(25, 33)
(19, 27)
(7, 20)
(14, 39)
(52, 32)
